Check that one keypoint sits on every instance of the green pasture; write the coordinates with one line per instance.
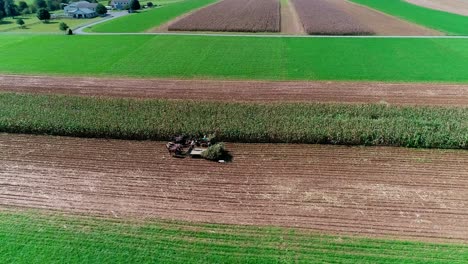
(150, 18)
(36, 237)
(359, 59)
(421, 127)
(449, 23)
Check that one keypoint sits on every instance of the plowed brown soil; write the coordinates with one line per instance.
(377, 191)
(459, 7)
(381, 23)
(263, 91)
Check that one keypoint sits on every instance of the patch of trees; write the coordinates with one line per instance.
(101, 10)
(135, 5)
(43, 15)
(8, 8)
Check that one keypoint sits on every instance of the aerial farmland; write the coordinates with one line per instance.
(234, 131)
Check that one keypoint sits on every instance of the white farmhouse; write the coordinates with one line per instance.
(120, 4)
(81, 9)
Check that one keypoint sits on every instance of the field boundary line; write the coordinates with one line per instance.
(271, 35)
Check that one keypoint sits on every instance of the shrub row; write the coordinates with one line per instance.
(424, 127)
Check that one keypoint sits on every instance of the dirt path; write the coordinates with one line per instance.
(383, 24)
(261, 91)
(290, 23)
(372, 191)
(459, 7)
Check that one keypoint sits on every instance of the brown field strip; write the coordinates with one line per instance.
(320, 17)
(375, 191)
(459, 7)
(233, 16)
(256, 91)
(381, 23)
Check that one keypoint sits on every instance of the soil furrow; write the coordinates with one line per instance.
(243, 91)
(375, 191)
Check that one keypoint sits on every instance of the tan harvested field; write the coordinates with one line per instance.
(261, 91)
(372, 191)
(459, 7)
(233, 16)
(381, 23)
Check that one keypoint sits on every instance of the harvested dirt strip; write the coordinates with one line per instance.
(257, 91)
(459, 7)
(360, 190)
(233, 16)
(381, 23)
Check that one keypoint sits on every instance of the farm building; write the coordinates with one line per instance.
(120, 4)
(81, 9)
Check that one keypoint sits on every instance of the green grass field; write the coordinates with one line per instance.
(423, 127)
(38, 237)
(449, 23)
(375, 59)
(148, 19)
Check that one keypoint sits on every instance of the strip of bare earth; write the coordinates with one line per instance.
(381, 23)
(376, 191)
(290, 23)
(237, 91)
(459, 7)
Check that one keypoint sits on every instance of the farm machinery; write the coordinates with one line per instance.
(182, 146)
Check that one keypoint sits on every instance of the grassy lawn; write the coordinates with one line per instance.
(150, 18)
(376, 59)
(35, 237)
(422, 127)
(33, 25)
(446, 22)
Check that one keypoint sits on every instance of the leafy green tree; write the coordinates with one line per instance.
(53, 5)
(149, 4)
(2, 15)
(20, 22)
(43, 15)
(101, 9)
(135, 5)
(22, 5)
(32, 9)
(40, 4)
(63, 26)
(10, 8)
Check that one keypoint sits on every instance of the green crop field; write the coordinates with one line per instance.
(452, 24)
(376, 59)
(38, 237)
(423, 127)
(151, 18)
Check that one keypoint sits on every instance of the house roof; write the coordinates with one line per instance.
(81, 11)
(120, 1)
(83, 4)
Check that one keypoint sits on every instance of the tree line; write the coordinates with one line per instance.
(8, 8)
